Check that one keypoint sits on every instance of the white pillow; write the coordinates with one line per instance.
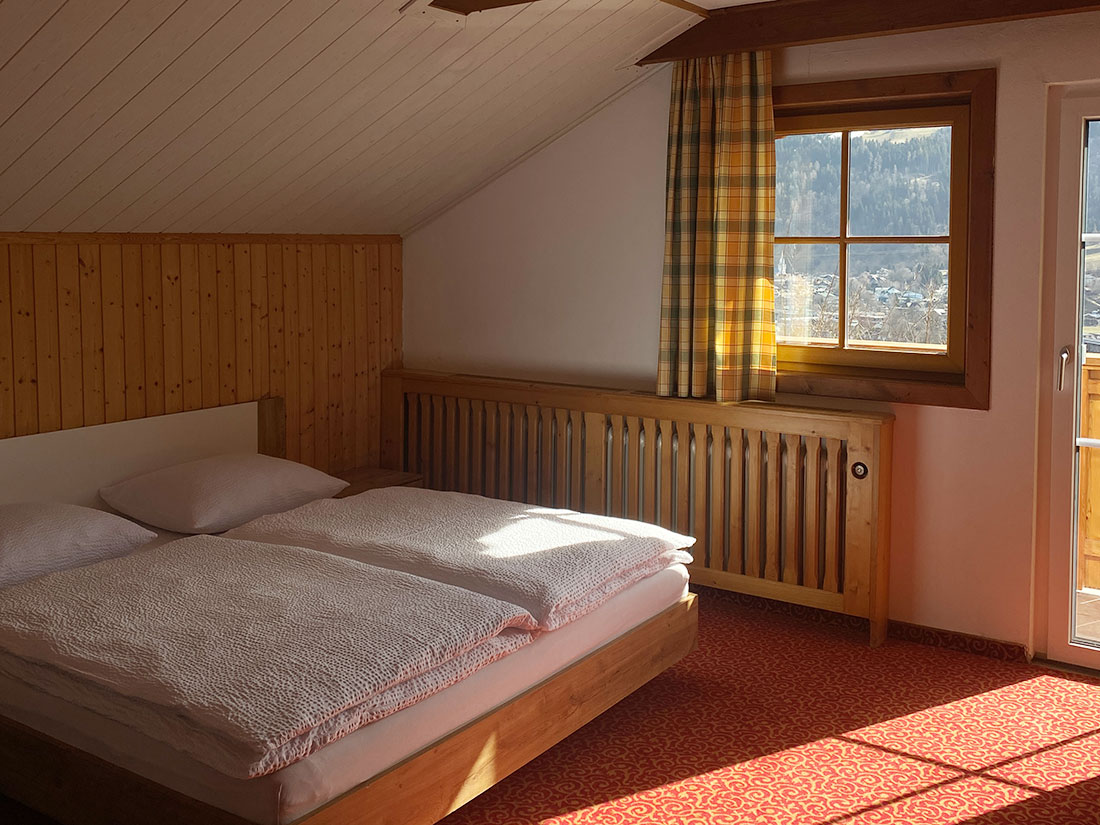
(214, 494)
(40, 537)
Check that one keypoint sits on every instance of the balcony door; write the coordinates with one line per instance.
(1073, 618)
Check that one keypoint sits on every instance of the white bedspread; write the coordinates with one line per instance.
(556, 564)
(247, 656)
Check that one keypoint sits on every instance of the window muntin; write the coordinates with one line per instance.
(857, 284)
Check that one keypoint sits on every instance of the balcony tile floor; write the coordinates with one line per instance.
(1088, 614)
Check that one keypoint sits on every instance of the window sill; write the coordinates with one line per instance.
(935, 390)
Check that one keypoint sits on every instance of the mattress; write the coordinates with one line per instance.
(300, 788)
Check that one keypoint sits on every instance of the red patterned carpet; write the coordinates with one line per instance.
(778, 720)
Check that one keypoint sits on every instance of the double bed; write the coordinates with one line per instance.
(83, 763)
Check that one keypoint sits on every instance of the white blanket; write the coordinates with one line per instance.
(556, 564)
(247, 656)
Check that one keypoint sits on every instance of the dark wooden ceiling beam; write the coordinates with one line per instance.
(780, 23)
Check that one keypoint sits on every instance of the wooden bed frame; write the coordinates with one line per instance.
(77, 788)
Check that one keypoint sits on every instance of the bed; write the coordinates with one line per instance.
(414, 766)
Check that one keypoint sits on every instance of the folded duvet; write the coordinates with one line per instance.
(247, 656)
(556, 564)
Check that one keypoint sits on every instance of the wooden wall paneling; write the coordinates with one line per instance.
(209, 326)
(666, 463)
(699, 465)
(519, 452)
(373, 332)
(634, 467)
(364, 425)
(261, 323)
(292, 352)
(736, 450)
(426, 468)
(395, 308)
(46, 338)
(320, 359)
(464, 442)
(649, 470)
(276, 358)
(438, 476)
(242, 319)
(70, 344)
(772, 479)
(617, 489)
(306, 401)
(531, 438)
(24, 355)
(753, 501)
(478, 440)
(352, 415)
(386, 297)
(595, 457)
(227, 314)
(7, 375)
(91, 333)
(114, 333)
(576, 460)
(153, 322)
(561, 458)
(492, 449)
(191, 327)
(450, 427)
(335, 382)
(811, 554)
(172, 298)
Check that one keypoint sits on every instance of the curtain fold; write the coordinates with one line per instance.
(717, 301)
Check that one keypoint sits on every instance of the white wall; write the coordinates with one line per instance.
(553, 271)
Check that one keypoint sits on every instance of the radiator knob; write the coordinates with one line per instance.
(859, 470)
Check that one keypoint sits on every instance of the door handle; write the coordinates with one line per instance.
(1064, 355)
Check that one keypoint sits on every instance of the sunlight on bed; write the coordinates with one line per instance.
(533, 533)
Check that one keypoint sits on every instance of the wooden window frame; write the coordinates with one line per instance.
(961, 377)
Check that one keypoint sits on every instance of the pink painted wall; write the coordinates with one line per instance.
(553, 270)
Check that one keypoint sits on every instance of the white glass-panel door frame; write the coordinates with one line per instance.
(1065, 220)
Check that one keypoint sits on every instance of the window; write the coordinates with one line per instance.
(883, 233)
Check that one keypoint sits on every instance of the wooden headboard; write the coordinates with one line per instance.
(786, 503)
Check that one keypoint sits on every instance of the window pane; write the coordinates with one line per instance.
(897, 296)
(807, 185)
(900, 181)
(807, 290)
(1090, 299)
(1092, 180)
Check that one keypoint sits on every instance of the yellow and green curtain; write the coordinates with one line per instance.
(717, 301)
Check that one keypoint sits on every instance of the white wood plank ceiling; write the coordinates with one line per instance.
(290, 115)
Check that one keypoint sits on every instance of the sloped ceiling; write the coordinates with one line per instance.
(290, 115)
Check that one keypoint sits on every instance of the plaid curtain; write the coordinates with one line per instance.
(717, 302)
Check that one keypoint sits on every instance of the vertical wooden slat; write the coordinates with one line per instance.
(546, 457)
(811, 565)
(373, 331)
(292, 352)
(716, 546)
(682, 509)
(191, 327)
(561, 458)
(349, 414)
(7, 367)
(209, 323)
(478, 438)
(792, 508)
(172, 296)
(385, 266)
(771, 531)
(69, 336)
(394, 309)
(45, 337)
(24, 358)
(616, 479)
(667, 470)
(519, 454)
(427, 467)
(532, 461)
(114, 341)
(633, 463)
(91, 333)
(462, 483)
(133, 330)
(276, 359)
(321, 443)
(306, 398)
(699, 514)
(576, 471)
(595, 457)
(363, 409)
(492, 449)
(439, 474)
(649, 471)
(261, 325)
(227, 333)
(153, 319)
(450, 423)
(412, 432)
(832, 515)
(242, 306)
(753, 478)
(734, 497)
(334, 373)
(504, 450)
